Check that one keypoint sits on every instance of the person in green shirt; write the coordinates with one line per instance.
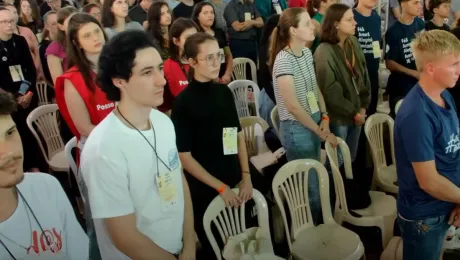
(316, 9)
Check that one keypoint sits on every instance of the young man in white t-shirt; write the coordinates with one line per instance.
(36, 218)
(139, 198)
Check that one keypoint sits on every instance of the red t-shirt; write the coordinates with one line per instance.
(297, 3)
(176, 76)
(96, 102)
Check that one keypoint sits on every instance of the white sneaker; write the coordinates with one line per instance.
(453, 243)
(451, 232)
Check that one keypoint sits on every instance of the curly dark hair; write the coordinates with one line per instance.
(117, 60)
(8, 104)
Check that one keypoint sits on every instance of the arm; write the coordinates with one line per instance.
(243, 154)
(196, 170)
(322, 104)
(110, 200)
(330, 88)
(35, 53)
(77, 109)
(435, 184)
(228, 61)
(127, 238)
(258, 22)
(189, 229)
(231, 17)
(396, 12)
(396, 67)
(55, 67)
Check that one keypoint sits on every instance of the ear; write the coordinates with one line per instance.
(175, 41)
(119, 83)
(61, 27)
(192, 62)
(293, 30)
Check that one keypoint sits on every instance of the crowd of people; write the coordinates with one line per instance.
(143, 86)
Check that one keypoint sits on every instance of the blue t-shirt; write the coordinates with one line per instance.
(424, 132)
(398, 40)
(368, 33)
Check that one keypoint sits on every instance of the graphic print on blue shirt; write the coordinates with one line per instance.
(368, 31)
(424, 131)
(398, 40)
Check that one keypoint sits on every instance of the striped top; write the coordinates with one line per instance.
(303, 71)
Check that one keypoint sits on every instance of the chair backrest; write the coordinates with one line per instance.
(42, 92)
(240, 90)
(338, 181)
(249, 125)
(231, 221)
(239, 69)
(45, 119)
(374, 130)
(291, 182)
(68, 154)
(275, 117)
(398, 105)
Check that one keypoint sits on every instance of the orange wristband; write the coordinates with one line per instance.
(222, 189)
(325, 118)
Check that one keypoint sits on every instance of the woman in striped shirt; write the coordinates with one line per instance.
(302, 111)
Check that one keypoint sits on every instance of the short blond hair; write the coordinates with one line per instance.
(432, 45)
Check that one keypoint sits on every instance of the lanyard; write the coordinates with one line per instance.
(351, 67)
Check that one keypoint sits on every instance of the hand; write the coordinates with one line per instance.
(321, 133)
(245, 188)
(24, 101)
(332, 139)
(230, 198)
(324, 127)
(360, 120)
(454, 218)
(247, 25)
(226, 78)
(362, 111)
(188, 252)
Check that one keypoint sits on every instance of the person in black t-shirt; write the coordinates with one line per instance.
(441, 11)
(398, 56)
(18, 77)
(184, 9)
(209, 137)
(49, 35)
(204, 16)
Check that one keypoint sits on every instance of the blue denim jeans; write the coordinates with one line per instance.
(301, 143)
(423, 239)
(350, 134)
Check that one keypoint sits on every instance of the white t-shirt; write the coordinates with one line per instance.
(50, 204)
(120, 170)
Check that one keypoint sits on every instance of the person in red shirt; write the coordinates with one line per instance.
(176, 67)
(297, 3)
(81, 102)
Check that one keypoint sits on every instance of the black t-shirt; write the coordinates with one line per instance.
(200, 113)
(222, 40)
(15, 52)
(41, 52)
(431, 26)
(183, 10)
(138, 14)
(398, 39)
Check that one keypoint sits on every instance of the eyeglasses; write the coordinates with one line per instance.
(6, 22)
(211, 59)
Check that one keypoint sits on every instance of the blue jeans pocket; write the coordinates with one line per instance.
(429, 225)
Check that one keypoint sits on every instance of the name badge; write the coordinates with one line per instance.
(16, 73)
(376, 49)
(167, 189)
(247, 17)
(312, 102)
(222, 54)
(230, 140)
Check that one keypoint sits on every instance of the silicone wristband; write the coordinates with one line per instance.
(222, 189)
(325, 118)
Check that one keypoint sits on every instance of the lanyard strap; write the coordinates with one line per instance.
(351, 67)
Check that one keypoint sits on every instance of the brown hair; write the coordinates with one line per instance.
(35, 13)
(177, 28)
(333, 16)
(312, 5)
(87, 8)
(63, 14)
(436, 3)
(192, 48)
(8, 104)
(76, 55)
(154, 26)
(280, 36)
(108, 18)
(46, 33)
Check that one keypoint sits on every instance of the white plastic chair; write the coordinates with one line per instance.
(240, 90)
(239, 69)
(42, 92)
(45, 119)
(231, 221)
(328, 241)
(385, 176)
(253, 128)
(275, 117)
(382, 211)
(398, 105)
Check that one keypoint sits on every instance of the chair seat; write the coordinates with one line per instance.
(58, 162)
(389, 178)
(381, 205)
(328, 242)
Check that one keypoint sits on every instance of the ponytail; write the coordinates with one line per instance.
(274, 48)
(310, 8)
